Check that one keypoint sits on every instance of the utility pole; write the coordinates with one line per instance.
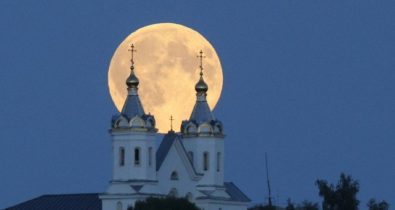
(268, 182)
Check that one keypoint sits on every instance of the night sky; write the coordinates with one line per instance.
(310, 82)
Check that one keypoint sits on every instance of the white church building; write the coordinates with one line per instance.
(187, 164)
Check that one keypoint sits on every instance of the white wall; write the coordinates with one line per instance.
(184, 184)
(212, 146)
(129, 142)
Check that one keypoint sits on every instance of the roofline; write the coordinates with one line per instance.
(51, 195)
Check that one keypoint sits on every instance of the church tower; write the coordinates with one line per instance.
(203, 137)
(133, 135)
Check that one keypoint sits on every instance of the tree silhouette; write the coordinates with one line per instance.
(373, 205)
(307, 205)
(164, 203)
(290, 205)
(261, 207)
(341, 197)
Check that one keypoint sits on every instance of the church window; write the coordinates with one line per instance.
(174, 175)
(205, 161)
(205, 128)
(137, 156)
(121, 156)
(191, 129)
(218, 161)
(150, 156)
(137, 122)
(190, 155)
(119, 206)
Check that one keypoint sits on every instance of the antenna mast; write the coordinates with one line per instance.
(268, 181)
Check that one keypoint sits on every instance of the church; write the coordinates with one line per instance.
(187, 164)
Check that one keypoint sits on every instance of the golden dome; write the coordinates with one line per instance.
(132, 80)
(201, 86)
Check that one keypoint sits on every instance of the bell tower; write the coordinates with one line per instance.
(203, 137)
(133, 136)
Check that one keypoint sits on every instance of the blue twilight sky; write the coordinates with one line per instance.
(310, 82)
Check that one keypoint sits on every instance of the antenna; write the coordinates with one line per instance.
(268, 181)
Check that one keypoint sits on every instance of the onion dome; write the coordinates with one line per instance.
(132, 80)
(202, 121)
(132, 116)
(201, 86)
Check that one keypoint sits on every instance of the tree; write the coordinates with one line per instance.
(164, 203)
(261, 207)
(307, 205)
(290, 205)
(373, 205)
(341, 197)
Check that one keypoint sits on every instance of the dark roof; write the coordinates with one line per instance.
(168, 140)
(164, 148)
(201, 113)
(61, 202)
(91, 201)
(132, 107)
(233, 191)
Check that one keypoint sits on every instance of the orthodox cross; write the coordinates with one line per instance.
(132, 50)
(171, 122)
(201, 62)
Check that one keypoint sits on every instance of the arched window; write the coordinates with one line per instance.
(150, 156)
(218, 161)
(204, 128)
(119, 206)
(137, 156)
(191, 129)
(121, 160)
(173, 192)
(137, 122)
(205, 161)
(174, 175)
(190, 155)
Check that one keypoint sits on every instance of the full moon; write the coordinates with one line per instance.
(167, 66)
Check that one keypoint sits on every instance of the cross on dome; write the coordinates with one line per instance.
(201, 87)
(171, 122)
(132, 50)
(132, 81)
(201, 56)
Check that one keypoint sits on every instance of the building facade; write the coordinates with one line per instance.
(186, 164)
